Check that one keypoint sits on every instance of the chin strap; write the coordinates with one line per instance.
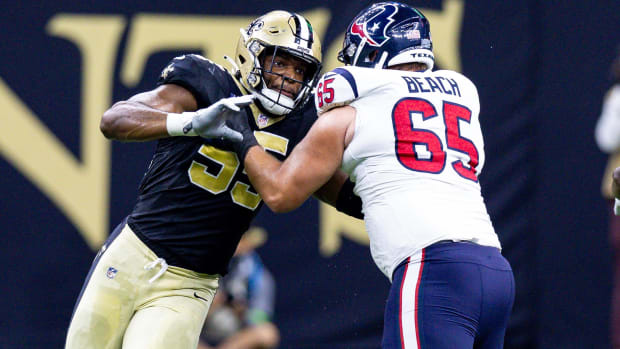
(358, 51)
(382, 60)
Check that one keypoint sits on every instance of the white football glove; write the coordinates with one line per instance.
(209, 122)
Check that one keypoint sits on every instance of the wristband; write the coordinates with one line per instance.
(242, 148)
(176, 122)
(617, 207)
(241, 124)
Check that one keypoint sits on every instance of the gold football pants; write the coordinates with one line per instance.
(133, 299)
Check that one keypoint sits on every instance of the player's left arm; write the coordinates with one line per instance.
(338, 192)
(284, 186)
(328, 193)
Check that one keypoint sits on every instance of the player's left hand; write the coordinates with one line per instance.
(210, 122)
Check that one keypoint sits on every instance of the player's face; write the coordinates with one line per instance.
(284, 72)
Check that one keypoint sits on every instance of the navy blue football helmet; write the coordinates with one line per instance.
(386, 34)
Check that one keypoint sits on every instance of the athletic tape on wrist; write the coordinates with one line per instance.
(176, 122)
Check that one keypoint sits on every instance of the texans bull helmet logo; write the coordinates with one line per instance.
(367, 27)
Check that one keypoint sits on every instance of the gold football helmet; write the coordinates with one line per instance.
(284, 33)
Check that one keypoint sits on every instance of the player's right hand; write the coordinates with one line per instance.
(210, 122)
(240, 123)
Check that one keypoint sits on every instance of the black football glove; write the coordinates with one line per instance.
(240, 123)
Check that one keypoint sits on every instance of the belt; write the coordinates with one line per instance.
(454, 241)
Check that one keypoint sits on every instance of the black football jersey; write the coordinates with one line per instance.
(195, 201)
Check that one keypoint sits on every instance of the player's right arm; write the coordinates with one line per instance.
(189, 82)
(143, 117)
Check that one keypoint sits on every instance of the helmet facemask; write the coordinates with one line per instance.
(278, 93)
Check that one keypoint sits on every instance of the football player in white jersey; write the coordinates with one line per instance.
(411, 141)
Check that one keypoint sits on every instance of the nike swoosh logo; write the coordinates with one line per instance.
(197, 296)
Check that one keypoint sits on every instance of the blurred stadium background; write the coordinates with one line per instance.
(541, 69)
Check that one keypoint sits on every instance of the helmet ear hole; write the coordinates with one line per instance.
(372, 56)
(241, 59)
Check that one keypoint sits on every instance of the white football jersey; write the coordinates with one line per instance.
(415, 157)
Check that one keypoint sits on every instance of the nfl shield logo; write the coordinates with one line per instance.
(262, 120)
(111, 273)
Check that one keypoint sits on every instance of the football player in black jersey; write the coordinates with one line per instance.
(152, 283)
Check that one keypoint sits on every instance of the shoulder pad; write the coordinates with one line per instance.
(335, 88)
(206, 80)
(462, 79)
(457, 76)
(344, 85)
